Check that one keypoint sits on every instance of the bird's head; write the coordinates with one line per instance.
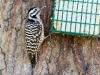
(34, 13)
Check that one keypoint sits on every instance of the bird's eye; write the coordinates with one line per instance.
(35, 9)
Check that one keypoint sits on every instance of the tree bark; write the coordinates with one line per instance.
(58, 55)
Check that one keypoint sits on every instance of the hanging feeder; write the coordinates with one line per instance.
(76, 17)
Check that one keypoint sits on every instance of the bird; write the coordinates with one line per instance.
(34, 32)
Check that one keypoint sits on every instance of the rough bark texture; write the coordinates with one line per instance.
(58, 55)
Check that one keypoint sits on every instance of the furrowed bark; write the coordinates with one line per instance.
(58, 55)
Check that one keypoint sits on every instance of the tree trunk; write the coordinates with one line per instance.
(58, 55)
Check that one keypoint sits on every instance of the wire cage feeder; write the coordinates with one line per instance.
(76, 17)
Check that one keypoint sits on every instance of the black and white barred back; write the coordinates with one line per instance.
(34, 31)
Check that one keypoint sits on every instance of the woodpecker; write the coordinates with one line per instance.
(34, 31)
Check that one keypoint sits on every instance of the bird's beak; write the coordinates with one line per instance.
(41, 9)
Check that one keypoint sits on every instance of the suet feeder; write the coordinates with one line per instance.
(76, 17)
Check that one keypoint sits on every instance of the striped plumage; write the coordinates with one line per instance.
(34, 32)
